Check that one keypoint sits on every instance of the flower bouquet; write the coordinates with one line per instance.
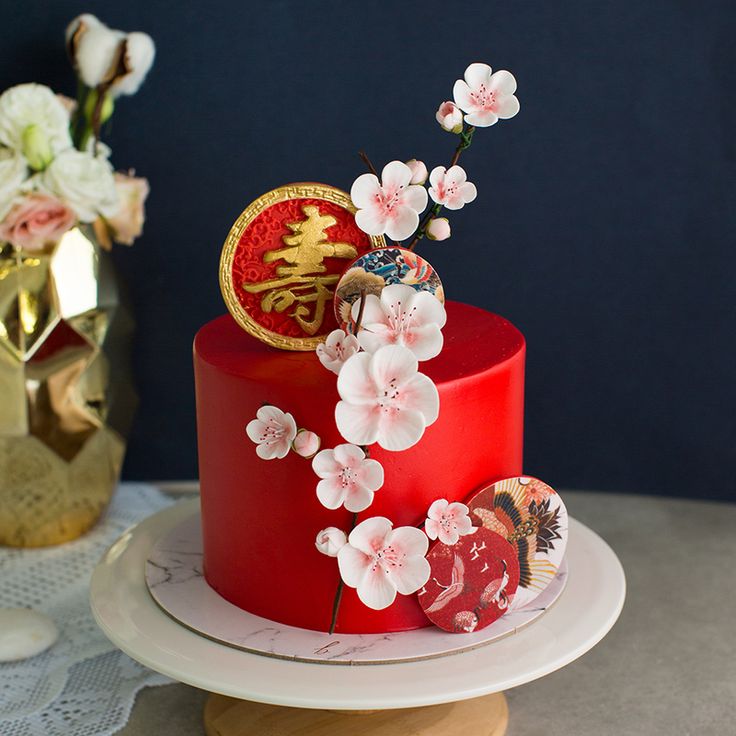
(64, 411)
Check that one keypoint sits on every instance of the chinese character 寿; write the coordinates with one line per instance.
(300, 283)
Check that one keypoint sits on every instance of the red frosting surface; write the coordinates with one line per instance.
(260, 518)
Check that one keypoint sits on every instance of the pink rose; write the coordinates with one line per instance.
(37, 221)
(127, 224)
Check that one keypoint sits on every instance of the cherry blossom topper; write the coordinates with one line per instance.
(448, 521)
(380, 561)
(336, 349)
(532, 517)
(330, 541)
(402, 316)
(471, 583)
(349, 478)
(391, 206)
(450, 187)
(486, 97)
(385, 399)
(275, 433)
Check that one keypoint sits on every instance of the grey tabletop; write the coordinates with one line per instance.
(667, 667)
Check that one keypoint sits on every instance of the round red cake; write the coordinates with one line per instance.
(260, 517)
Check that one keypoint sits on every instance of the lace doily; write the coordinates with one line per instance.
(82, 685)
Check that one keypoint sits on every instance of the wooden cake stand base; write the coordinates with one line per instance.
(486, 716)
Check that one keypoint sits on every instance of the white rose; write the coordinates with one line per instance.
(13, 172)
(29, 105)
(85, 182)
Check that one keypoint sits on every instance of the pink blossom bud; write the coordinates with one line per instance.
(438, 229)
(330, 541)
(418, 171)
(450, 117)
(306, 443)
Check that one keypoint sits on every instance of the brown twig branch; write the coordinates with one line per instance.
(364, 158)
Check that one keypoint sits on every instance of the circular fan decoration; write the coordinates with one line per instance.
(533, 519)
(382, 267)
(472, 583)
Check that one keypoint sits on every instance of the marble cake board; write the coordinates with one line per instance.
(175, 581)
(437, 696)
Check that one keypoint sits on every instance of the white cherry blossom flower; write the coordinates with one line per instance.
(273, 431)
(450, 117)
(450, 187)
(330, 541)
(385, 399)
(336, 349)
(348, 478)
(484, 96)
(448, 521)
(389, 206)
(306, 443)
(381, 561)
(402, 316)
(439, 229)
(419, 171)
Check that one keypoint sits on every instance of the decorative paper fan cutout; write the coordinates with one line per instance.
(532, 517)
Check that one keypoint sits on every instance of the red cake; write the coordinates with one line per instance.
(260, 517)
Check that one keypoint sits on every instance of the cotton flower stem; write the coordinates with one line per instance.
(466, 138)
(364, 158)
(340, 588)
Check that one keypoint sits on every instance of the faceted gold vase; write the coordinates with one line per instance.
(66, 400)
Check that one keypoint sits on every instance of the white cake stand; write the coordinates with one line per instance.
(460, 693)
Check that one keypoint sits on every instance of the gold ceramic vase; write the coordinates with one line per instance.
(66, 400)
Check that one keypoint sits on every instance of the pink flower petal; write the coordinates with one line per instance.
(420, 394)
(392, 365)
(353, 565)
(410, 541)
(395, 175)
(411, 576)
(478, 74)
(429, 308)
(461, 93)
(371, 220)
(401, 225)
(330, 493)
(432, 528)
(503, 82)
(437, 176)
(349, 456)
(415, 197)
(426, 341)
(364, 190)
(371, 535)
(358, 423)
(325, 464)
(468, 192)
(355, 382)
(370, 475)
(358, 499)
(437, 508)
(456, 174)
(255, 430)
(376, 590)
(400, 429)
(481, 119)
(507, 107)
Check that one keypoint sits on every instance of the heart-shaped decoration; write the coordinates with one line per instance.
(472, 583)
(531, 516)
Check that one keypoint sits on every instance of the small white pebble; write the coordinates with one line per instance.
(24, 633)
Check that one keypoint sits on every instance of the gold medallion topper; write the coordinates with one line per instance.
(283, 258)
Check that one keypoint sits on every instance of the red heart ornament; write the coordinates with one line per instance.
(471, 583)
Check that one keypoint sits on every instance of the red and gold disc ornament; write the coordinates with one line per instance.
(471, 583)
(283, 259)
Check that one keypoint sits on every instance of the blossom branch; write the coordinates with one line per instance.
(364, 158)
(340, 587)
(466, 139)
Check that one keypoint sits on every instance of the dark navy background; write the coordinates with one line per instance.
(604, 225)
